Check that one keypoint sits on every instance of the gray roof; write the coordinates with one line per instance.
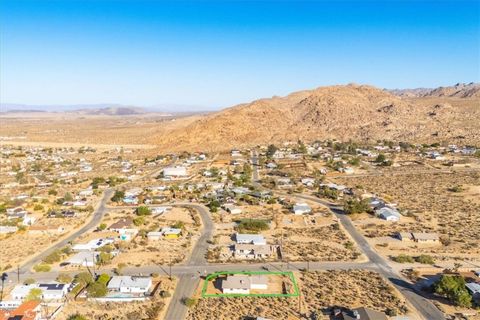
(236, 282)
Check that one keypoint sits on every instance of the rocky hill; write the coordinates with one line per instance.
(351, 112)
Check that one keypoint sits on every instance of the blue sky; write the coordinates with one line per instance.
(216, 54)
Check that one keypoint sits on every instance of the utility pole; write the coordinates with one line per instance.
(18, 274)
(170, 267)
(308, 265)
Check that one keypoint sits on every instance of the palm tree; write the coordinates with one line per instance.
(4, 277)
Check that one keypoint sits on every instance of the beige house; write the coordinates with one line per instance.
(419, 237)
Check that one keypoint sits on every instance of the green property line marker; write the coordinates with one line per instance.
(214, 275)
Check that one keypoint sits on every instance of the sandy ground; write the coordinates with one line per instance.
(351, 289)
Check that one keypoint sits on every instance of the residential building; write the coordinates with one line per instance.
(388, 214)
(130, 284)
(242, 284)
(29, 310)
(175, 172)
(256, 239)
(50, 291)
(171, 233)
(252, 251)
(301, 208)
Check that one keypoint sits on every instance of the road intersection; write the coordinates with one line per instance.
(189, 273)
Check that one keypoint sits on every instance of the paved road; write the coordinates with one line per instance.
(255, 164)
(195, 270)
(95, 220)
(187, 283)
(424, 306)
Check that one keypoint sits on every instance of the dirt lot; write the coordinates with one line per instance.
(11, 255)
(320, 290)
(314, 237)
(428, 198)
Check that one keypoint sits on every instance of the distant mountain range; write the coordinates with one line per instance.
(460, 90)
(101, 109)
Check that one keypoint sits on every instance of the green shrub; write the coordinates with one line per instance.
(190, 302)
(403, 258)
(425, 259)
(64, 278)
(252, 226)
(97, 290)
(143, 211)
(42, 267)
(453, 288)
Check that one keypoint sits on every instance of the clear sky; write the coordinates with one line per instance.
(216, 54)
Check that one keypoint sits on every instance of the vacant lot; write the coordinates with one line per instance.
(438, 202)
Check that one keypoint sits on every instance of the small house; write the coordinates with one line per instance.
(242, 284)
(256, 239)
(388, 214)
(171, 233)
(130, 284)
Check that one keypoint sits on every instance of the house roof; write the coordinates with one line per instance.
(425, 236)
(387, 212)
(26, 311)
(249, 238)
(171, 231)
(236, 282)
(258, 249)
(122, 223)
(117, 282)
(473, 287)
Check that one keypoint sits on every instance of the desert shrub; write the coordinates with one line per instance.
(103, 278)
(97, 290)
(252, 225)
(77, 317)
(34, 294)
(403, 258)
(143, 211)
(84, 278)
(38, 207)
(42, 267)
(353, 206)
(455, 189)
(29, 281)
(64, 278)
(102, 227)
(425, 259)
(190, 302)
(138, 221)
(329, 193)
(179, 225)
(118, 196)
(104, 258)
(53, 257)
(214, 205)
